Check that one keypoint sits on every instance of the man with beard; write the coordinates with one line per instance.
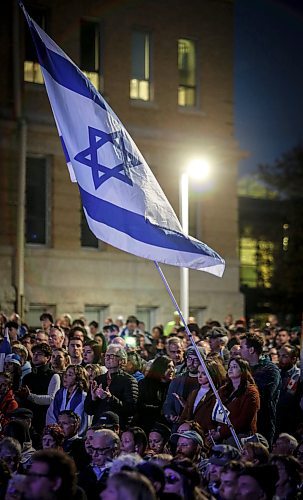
(180, 387)
(288, 407)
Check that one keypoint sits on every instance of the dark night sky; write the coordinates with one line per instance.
(268, 78)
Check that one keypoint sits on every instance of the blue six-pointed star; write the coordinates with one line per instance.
(101, 173)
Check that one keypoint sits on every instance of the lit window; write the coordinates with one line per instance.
(37, 200)
(140, 66)
(257, 262)
(32, 70)
(187, 89)
(90, 51)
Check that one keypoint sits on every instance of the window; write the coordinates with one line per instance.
(90, 50)
(257, 262)
(37, 200)
(199, 314)
(88, 239)
(187, 89)
(35, 311)
(147, 315)
(32, 70)
(97, 313)
(140, 66)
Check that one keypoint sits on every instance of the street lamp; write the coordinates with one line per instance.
(197, 169)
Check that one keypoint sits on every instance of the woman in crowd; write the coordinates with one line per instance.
(200, 403)
(94, 370)
(182, 478)
(101, 340)
(92, 353)
(12, 365)
(158, 438)
(152, 392)
(290, 472)
(256, 453)
(71, 396)
(134, 440)
(60, 360)
(53, 437)
(240, 396)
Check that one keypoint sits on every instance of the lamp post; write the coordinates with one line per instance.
(199, 170)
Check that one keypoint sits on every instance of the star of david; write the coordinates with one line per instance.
(101, 173)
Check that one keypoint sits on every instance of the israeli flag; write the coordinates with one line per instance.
(218, 414)
(123, 203)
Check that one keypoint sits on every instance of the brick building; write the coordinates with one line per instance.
(167, 71)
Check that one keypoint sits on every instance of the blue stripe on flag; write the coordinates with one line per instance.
(138, 227)
(67, 158)
(64, 72)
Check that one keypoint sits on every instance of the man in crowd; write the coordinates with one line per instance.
(218, 338)
(181, 386)
(289, 413)
(268, 379)
(105, 445)
(189, 445)
(75, 350)
(175, 350)
(73, 445)
(40, 386)
(115, 391)
(52, 476)
(56, 337)
(42, 337)
(47, 322)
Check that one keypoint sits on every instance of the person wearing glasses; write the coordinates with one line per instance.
(115, 391)
(181, 478)
(182, 386)
(104, 447)
(52, 476)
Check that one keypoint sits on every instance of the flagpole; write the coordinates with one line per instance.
(200, 357)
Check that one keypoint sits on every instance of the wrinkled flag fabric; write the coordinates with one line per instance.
(122, 201)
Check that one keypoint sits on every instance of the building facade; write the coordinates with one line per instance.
(167, 71)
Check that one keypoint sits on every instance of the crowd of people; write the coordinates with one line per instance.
(115, 412)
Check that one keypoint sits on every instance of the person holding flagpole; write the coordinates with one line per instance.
(200, 402)
(241, 397)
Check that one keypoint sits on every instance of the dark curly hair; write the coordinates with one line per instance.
(82, 381)
(56, 432)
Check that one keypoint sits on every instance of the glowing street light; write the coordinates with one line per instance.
(198, 169)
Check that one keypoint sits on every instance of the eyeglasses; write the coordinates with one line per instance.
(111, 356)
(172, 479)
(99, 451)
(193, 360)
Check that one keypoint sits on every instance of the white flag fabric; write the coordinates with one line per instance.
(218, 414)
(122, 201)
